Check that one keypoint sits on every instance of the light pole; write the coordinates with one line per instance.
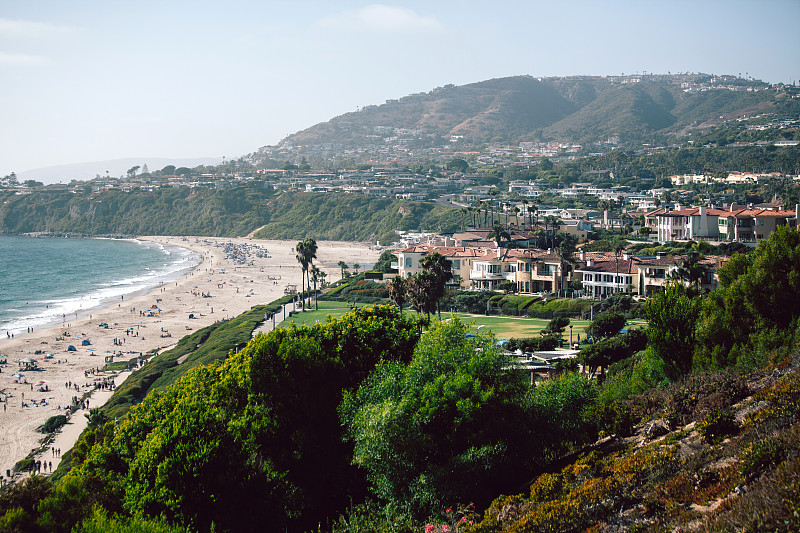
(570, 335)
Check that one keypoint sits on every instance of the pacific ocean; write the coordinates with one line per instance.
(48, 280)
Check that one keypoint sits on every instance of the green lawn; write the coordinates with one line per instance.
(309, 318)
(503, 327)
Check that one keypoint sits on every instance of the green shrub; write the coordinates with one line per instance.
(24, 465)
(717, 426)
(54, 423)
(761, 456)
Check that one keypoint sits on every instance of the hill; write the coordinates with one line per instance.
(579, 108)
(220, 212)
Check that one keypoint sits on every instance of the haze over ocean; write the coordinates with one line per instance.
(44, 279)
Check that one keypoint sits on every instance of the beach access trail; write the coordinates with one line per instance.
(234, 275)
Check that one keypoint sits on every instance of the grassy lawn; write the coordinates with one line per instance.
(513, 327)
(503, 327)
(309, 318)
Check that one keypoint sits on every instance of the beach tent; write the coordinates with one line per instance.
(85, 342)
(17, 377)
(71, 348)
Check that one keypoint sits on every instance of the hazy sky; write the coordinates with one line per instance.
(89, 80)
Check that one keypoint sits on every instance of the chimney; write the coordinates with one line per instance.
(626, 256)
(583, 255)
(590, 263)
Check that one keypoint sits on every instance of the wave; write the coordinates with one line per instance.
(45, 312)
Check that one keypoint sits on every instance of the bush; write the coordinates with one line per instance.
(760, 457)
(717, 426)
(534, 344)
(54, 423)
(24, 465)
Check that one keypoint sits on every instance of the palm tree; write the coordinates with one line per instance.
(301, 257)
(499, 234)
(356, 266)
(691, 271)
(565, 250)
(343, 266)
(463, 213)
(314, 278)
(617, 247)
(306, 253)
(397, 291)
(524, 208)
(516, 215)
(551, 220)
(492, 194)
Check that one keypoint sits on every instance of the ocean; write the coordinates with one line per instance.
(45, 280)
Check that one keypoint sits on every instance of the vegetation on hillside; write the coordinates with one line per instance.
(383, 421)
(581, 108)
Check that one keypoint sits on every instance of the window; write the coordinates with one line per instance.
(456, 264)
(408, 262)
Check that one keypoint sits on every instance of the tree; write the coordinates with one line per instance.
(672, 316)
(499, 234)
(397, 291)
(565, 251)
(691, 271)
(608, 351)
(168, 170)
(356, 266)
(343, 266)
(755, 313)
(444, 428)
(420, 292)
(315, 277)
(133, 170)
(441, 268)
(459, 165)
(605, 325)
(306, 253)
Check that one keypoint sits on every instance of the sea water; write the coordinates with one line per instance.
(47, 281)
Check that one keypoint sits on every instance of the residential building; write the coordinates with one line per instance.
(603, 274)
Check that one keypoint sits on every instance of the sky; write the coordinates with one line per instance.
(90, 80)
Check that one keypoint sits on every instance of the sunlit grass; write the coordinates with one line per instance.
(503, 327)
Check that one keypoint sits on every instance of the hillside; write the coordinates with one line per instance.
(580, 108)
(234, 211)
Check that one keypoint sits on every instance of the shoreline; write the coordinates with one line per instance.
(233, 275)
(76, 305)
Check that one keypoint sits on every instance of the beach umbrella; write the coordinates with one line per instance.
(40, 382)
(27, 360)
(18, 375)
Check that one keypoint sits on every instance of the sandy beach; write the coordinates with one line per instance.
(233, 276)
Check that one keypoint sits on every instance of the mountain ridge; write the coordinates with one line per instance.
(577, 109)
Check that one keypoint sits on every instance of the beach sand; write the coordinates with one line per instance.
(231, 284)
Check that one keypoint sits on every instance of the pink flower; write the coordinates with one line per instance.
(429, 528)
(445, 528)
